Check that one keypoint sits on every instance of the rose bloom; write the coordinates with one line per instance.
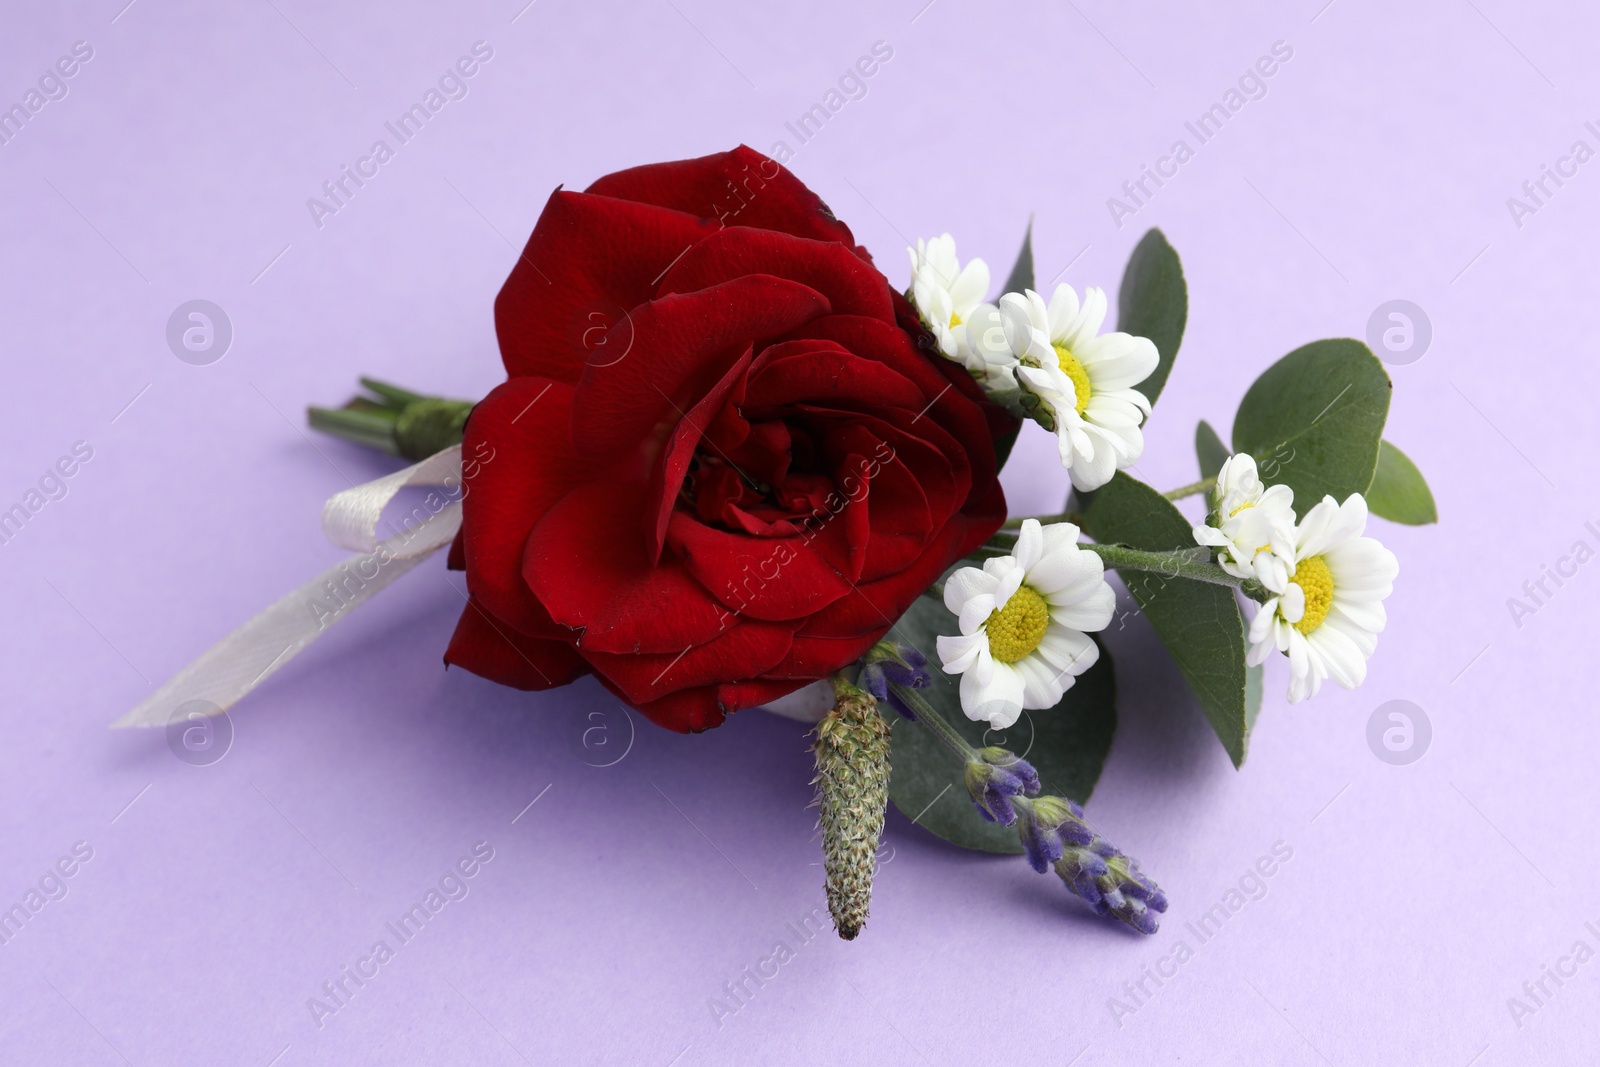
(725, 459)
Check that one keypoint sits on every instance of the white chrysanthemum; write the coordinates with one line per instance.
(989, 359)
(1330, 613)
(946, 293)
(1247, 515)
(1023, 618)
(1085, 376)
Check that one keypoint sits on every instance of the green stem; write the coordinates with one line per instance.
(1066, 516)
(395, 396)
(936, 724)
(394, 420)
(1203, 485)
(1181, 563)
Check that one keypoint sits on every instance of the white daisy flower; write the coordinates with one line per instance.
(946, 293)
(1023, 618)
(1087, 378)
(1329, 615)
(1247, 514)
(989, 359)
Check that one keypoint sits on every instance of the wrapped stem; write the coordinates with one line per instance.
(395, 420)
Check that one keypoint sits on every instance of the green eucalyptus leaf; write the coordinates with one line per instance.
(1021, 276)
(1255, 681)
(1209, 447)
(1067, 745)
(1003, 446)
(1313, 420)
(1398, 491)
(1199, 623)
(1154, 302)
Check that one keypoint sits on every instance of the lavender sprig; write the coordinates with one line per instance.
(1055, 833)
(1053, 830)
(887, 664)
(993, 777)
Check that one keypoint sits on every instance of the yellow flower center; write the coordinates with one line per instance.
(1238, 509)
(955, 320)
(1017, 628)
(1080, 377)
(1316, 580)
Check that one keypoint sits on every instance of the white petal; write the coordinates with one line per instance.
(1030, 544)
(1343, 659)
(1261, 625)
(1066, 650)
(1064, 568)
(966, 583)
(1292, 605)
(1063, 312)
(1108, 409)
(970, 287)
(1311, 535)
(1119, 360)
(1042, 685)
(958, 654)
(975, 612)
(997, 701)
(1090, 612)
(1090, 318)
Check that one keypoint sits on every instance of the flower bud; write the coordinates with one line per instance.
(889, 664)
(852, 755)
(993, 777)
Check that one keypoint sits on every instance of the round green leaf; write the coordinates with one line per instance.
(1313, 420)
(1199, 623)
(1067, 745)
(1398, 491)
(1210, 450)
(1021, 276)
(1154, 302)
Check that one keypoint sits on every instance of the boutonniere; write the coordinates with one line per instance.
(734, 466)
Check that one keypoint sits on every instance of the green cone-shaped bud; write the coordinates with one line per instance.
(1035, 407)
(852, 753)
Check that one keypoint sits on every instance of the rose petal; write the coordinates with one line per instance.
(852, 285)
(737, 188)
(492, 649)
(746, 650)
(590, 260)
(586, 561)
(518, 464)
(681, 346)
(775, 579)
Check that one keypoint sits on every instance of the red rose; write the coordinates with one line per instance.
(721, 467)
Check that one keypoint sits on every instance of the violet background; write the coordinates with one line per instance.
(220, 898)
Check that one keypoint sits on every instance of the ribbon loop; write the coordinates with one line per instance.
(232, 667)
(350, 519)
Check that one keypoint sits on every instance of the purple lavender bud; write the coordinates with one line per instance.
(991, 789)
(887, 665)
(1046, 827)
(993, 777)
(999, 757)
(1112, 884)
(1042, 846)
(1140, 919)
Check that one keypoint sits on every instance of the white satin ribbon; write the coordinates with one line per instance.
(244, 659)
(232, 667)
